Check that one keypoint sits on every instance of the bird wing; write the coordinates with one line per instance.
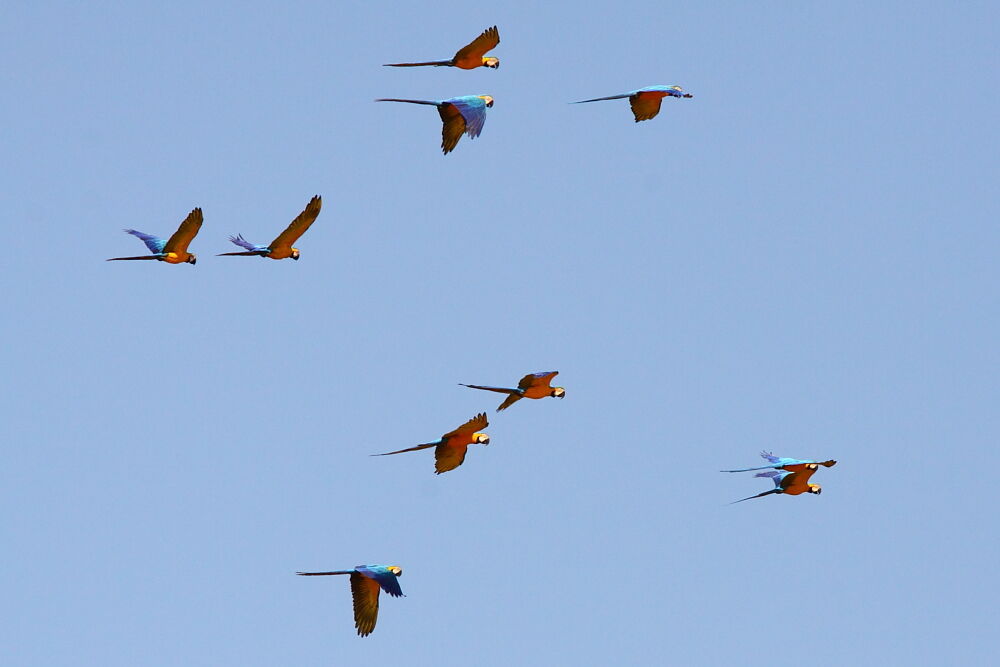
(502, 390)
(601, 99)
(188, 230)
(411, 449)
(537, 379)
(645, 105)
(299, 225)
(154, 243)
(473, 110)
(774, 475)
(478, 47)
(449, 456)
(509, 401)
(364, 590)
(454, 126)
(477, 423)
(385, 578)
(243, 243)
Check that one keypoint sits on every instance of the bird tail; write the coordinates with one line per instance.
(118, 259)
(322, 574)
(759, 495)
(409, 449)
(248, 253)
(502, 390)
(394, 99)
(748, 469)
(430, 63)
(601, 99)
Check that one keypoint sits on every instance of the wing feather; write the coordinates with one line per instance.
(478, 47)
(178, 243)
(299, 225)
(477, 423)
(645, 105)
(449, 456)
(537, 379)
(154, 243)
(453, 128)
(365, 593)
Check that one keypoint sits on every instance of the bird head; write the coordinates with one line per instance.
(491, 62)
(295, 253)
(396, 570)
(192, 259)
(487, 99)
(480, 438)
(815, 488)
(677, 91)
(812, 466)
(558, 392)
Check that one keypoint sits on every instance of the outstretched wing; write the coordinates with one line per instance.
(454, 126)
(509, 401)
(364, 590)
(299, 225)
(645, 105)
(473, 110)
(243, 243)
(448, 457)
(478, 47)
(154, 243)
(774, 475)
(537, 379)
(770, 457)
(477, 423)
(385, 578)
(188, 230)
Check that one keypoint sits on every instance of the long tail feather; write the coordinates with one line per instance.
(118, 259)
(759, 495)
(394, 99)
(410, 449)
(502, 390)
(248, 253)
(432, 63)
(322, 574)
(748, 469)
(601, 99)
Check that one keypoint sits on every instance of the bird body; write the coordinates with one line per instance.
(173, 250)
(470, 56)
(281, 247)
(450, 449)
(646, 101)
(459, 115)
(366, 580)
(789, 483)
(791, 465)
(532, 385)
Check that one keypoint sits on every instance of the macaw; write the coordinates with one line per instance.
(449, 452)
(459, 114)
(791, 465)
(281, 247)
(174, 249)
(791, 483)
(532, 385)
(470, 56)
(365, 582)
(645, 101)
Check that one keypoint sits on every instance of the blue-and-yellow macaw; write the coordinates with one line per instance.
(174, 249)
(470, 56)
(532, 385)
(365, 582)
(449, 452)
(281, 247)
(790, 483)
(645, 101)
(460, 115)
(779, 463)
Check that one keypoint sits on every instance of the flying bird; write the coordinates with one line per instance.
(779, 463)
(645, 101)
(470, 56)
(532, 385)
(365, 582)
(460, 115)
(791, 483)
(174, 249)
(281, 247)
(449, 451)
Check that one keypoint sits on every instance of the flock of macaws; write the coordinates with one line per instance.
(459, 115)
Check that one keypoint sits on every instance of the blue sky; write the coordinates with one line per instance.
(801, 258)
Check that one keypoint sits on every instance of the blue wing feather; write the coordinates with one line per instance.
(381, 574)
(154, 243)
(473, 110)
(243, 243)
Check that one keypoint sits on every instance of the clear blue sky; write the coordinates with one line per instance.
(801, 258)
